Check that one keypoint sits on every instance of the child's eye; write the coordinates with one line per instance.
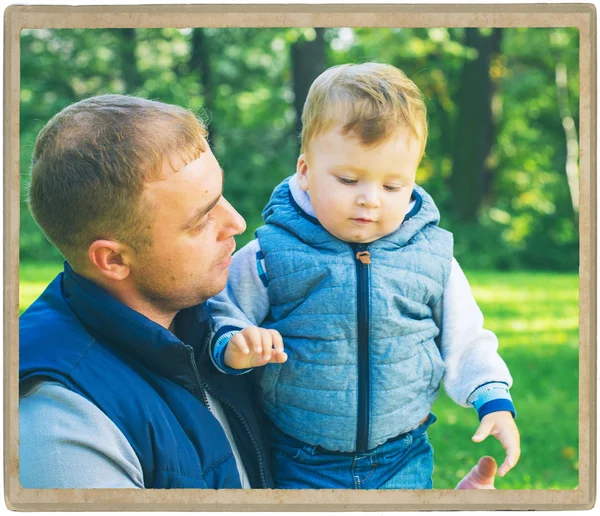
(391, 188)
(346, 181)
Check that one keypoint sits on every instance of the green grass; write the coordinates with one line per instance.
(535, 316)
(34, 278)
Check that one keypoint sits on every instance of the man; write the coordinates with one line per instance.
(116, 388)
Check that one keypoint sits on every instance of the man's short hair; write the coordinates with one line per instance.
(90, 164)
(369, 100)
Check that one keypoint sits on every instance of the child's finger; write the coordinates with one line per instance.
(507, 465)
(267, 344)
(239, 342)
(252, 335)
(513, 452)
(277, 341)
(279, 358)
(483, 431)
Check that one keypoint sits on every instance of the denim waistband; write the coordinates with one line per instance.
(414, 433)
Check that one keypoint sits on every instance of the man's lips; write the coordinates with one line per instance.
(226, 262)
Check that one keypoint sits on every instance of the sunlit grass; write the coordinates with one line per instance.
(34, 278)
(535, 317)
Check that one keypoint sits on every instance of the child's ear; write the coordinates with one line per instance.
(302, 172)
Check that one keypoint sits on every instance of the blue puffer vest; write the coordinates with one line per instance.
(363, 366)
(147, 381)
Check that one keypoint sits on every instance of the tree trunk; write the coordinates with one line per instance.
(572, 143)
(474, 130)
(200, 61)
(130, 73)
(308, 62)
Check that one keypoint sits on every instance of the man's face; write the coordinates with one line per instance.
(192, 232)
(359, 194)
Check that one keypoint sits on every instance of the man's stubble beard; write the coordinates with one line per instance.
(172, 296)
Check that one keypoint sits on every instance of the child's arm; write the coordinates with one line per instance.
(475, 374)
(469, 351)
(237, 343)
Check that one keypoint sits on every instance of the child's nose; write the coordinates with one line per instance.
(368, 198)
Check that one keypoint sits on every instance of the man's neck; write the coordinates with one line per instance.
(126, 294)
(164, 318)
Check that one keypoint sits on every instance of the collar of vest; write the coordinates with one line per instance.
(113, 321)
(50, 320)
(283, 210)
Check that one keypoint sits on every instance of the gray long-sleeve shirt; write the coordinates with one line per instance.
(65, 441)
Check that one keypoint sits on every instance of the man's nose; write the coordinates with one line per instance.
(234, 223)
(368, 197)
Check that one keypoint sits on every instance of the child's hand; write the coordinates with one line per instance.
(502, 426)
(254, 347)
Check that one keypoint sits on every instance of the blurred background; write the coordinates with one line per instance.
(502, 164)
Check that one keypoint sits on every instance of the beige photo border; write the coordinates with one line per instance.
(582, 16)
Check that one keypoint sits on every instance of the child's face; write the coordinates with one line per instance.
(359, 194)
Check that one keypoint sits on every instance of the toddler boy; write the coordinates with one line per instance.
(352, 273)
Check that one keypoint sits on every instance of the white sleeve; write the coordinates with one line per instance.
(469, 351)
(244, 302)
(245, 299)
(65, 441)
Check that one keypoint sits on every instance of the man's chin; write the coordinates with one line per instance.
(220, 286)
(208, 291)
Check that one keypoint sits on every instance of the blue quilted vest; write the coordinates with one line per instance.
(147, 381)
(363, 365)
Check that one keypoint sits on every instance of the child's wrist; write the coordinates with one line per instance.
(492, 397)
(497, 405)
(220, 341)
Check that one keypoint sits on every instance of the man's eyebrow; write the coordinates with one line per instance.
(201, 212)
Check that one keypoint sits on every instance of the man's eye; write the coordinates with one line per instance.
(204, 223)
(346, 181)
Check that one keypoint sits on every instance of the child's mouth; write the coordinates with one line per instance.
(362, 222)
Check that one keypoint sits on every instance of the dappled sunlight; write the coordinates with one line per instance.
(28, 293)
(534, 310)
(544, 340)
(519, 294)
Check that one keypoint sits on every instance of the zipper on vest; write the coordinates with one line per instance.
(201, 393)
(204, 388)
(363, 260)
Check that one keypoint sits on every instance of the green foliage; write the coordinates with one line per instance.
(524, 220)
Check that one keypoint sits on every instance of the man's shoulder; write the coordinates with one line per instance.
(51, 333)
(79, 433)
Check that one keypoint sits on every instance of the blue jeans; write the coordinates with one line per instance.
(404, 462)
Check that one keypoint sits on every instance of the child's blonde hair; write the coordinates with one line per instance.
(370, 100)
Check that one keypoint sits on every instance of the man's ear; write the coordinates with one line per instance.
(110, 259)
(302, 172)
